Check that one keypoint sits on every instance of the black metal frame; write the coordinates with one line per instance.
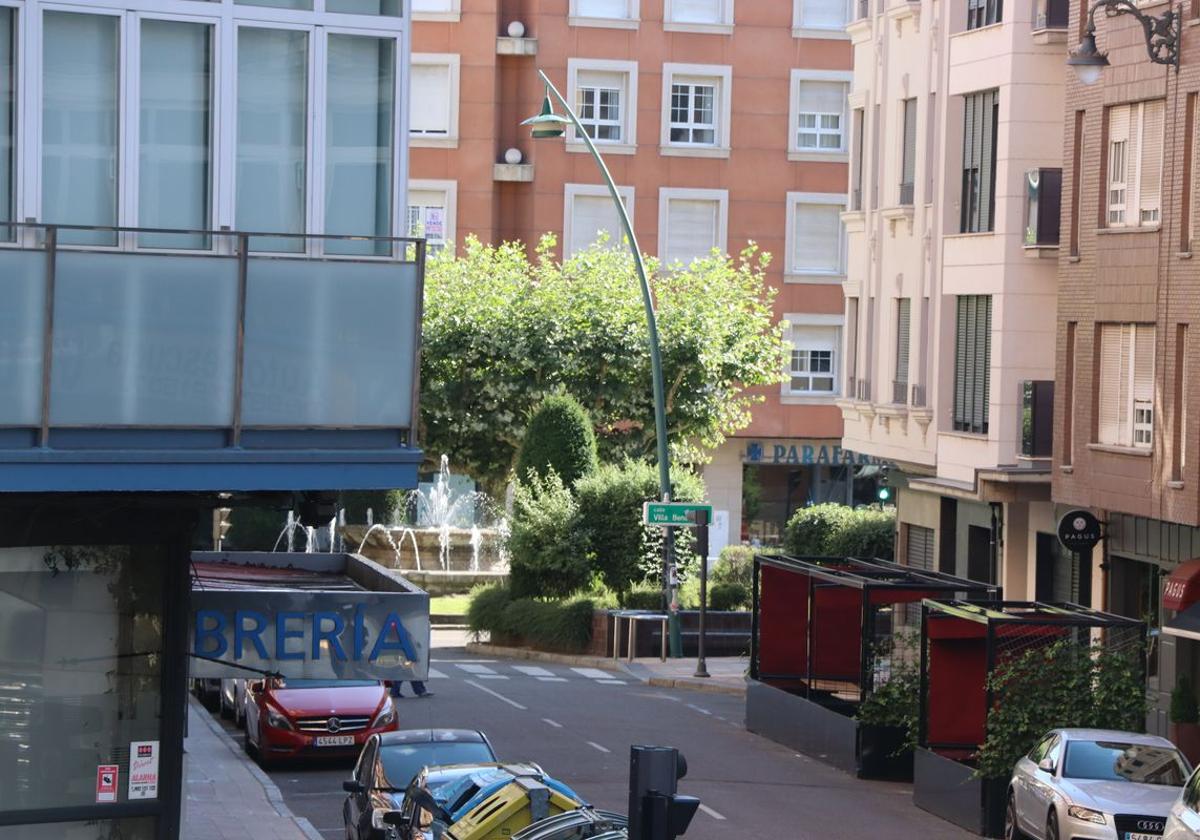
(1162, 32)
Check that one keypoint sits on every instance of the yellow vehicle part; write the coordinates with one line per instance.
(515, 806)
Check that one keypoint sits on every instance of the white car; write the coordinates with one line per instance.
(233, 700)
(1094, 784)
(1183, 823)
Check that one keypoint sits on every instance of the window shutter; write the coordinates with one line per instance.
(989, 116)
(972, 364)
(1150, 168)
(591, 214)
(822, 97)
(602, 8)
(852, 338)
(903, 315)
(983, 361)
(918, 549)
(817, 238)
(908, 165)
(960, 364)
(691, 229)
(696, 11)
(429, 100)
(1143, 362)
(823, 14)
(1112, 372)
(1133, 156)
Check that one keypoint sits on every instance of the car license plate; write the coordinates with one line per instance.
(1138, 835)
(333, 741)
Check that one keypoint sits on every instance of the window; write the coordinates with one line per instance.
(819, 113)
(696, 108)
(972, 363)
(908, 153)
(981, 114)
(812, 367)
(1126, 385)
(851, 343)
(7, 108)
(1134, 165)
(79, 123)
(272, 134)
(390, 8)
(592, 11)
(604, 93)
(704, 15)
(360, 90)
(588, 212)
(433, 100)
(918, 547)
(829, 15)
(691, 224)
(175, 125)
(856, 169)
(984, 12)
(903, 319)
(432, 207)
(450, 10)
(816, 240)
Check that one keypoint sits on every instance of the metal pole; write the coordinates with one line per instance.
(660, 411)
(702, 550)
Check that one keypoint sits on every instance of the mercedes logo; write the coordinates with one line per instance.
(1150, 825)
(334, 725)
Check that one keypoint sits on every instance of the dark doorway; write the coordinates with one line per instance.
(948, 536)
(1057, 572)
(979, 553)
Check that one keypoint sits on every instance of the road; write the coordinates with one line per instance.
(579, 723)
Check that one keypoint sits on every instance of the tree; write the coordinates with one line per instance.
(559, 438)
(549, 555)
(501, 333)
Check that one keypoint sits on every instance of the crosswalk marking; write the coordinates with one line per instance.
(492, 676)
(593, 673)
(555, 724)
(552, 679)
(435, 674)
(597, 746)
(611, 682)
(471, 668)
(533, 671)
(710, 812)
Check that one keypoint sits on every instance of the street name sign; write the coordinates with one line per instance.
(682, 514)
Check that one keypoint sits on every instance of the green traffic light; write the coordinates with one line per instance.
(884, 493)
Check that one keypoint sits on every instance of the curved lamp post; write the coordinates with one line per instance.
(549, 124)
(1162, 39)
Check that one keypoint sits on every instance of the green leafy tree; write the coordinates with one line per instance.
(549, 553)
(502, 332)
(559, 438)
(610, 515)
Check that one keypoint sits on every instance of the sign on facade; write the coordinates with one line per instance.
(814, 452)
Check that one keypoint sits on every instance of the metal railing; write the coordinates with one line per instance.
(863, 392)
(918, 396)
(856, 196)
(864, 8)
(906, 195)
(900, 392)
(115, 335)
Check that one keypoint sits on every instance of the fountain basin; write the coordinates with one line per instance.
(453, 583)
(399, 547)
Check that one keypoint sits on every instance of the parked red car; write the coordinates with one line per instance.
(288, 718)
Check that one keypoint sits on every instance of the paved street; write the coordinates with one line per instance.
(578, 723)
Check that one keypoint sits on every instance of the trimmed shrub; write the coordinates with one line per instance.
(384, 505)
(559, 438)
(546, 625)
(728, 596)
(734, 565)
(485, 612)
(832, 530)
(610, 511)
(643, 598)
(548, 549)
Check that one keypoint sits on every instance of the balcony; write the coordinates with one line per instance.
(1052, 14)
(129, 369)
(899, 392)
(1037, 418)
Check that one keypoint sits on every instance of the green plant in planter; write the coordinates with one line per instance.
(1183, 702)
(897, 702)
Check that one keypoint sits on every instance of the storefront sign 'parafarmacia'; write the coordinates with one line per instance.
(351, 635)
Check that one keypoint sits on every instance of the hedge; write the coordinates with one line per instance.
(833, 530)
(546, 625)
(559, 438)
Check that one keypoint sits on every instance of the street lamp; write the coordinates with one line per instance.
(549, 124)
(1162, 39)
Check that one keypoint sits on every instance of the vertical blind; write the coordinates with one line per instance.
(981, 111)
(175, 118)
(358, 146)
(817, 239)
(972, 363)
(7, 103)
(918, 547)
(271, 127)
(908, 157)
(1126, 384)
(79, 123)
(691, 229)
(903, 319)
(429, 100)
(590, 216)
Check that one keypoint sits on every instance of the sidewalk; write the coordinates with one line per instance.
(227, 796)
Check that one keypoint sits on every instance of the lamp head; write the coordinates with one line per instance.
(1087, 60)
(547, 123)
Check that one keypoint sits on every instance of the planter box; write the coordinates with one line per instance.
(950, 790)
(869, 752)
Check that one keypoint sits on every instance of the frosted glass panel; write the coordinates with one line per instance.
(390, 8)
(7, 101)
(22, 302)
(358, 178)
(173, 181)
(144, 339)
(79, 124)
(271, 118)
(329, 343)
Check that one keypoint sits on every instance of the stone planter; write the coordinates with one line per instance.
(949, 789)
(882, 753)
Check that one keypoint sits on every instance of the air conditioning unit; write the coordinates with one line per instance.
(1043, 205)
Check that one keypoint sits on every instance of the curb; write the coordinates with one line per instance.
(601, 662)
(274, 795)
(697, 685)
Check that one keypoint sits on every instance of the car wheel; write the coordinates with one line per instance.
(1052, 826)
(1011, 830)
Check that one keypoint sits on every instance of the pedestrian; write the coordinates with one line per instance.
(418, 688)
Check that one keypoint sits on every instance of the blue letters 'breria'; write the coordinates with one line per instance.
(249, 627)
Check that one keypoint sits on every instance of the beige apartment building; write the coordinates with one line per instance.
(951, 283)
(722, 121)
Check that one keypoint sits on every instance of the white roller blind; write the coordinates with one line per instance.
(814, 338)
(429, 100)
(817, 239)
(691, 229)
(697, 11)
(1111, 375)
(431, 5)
(602, 8)
(591, 214)
(1150, 176)
(822, 97)
(823, 14)
(1143, 363)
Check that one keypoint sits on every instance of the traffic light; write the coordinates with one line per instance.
(221, 526)
(656, 811)
(883, 491)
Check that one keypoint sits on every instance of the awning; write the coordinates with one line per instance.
(1186, 625)
(1182, 588)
